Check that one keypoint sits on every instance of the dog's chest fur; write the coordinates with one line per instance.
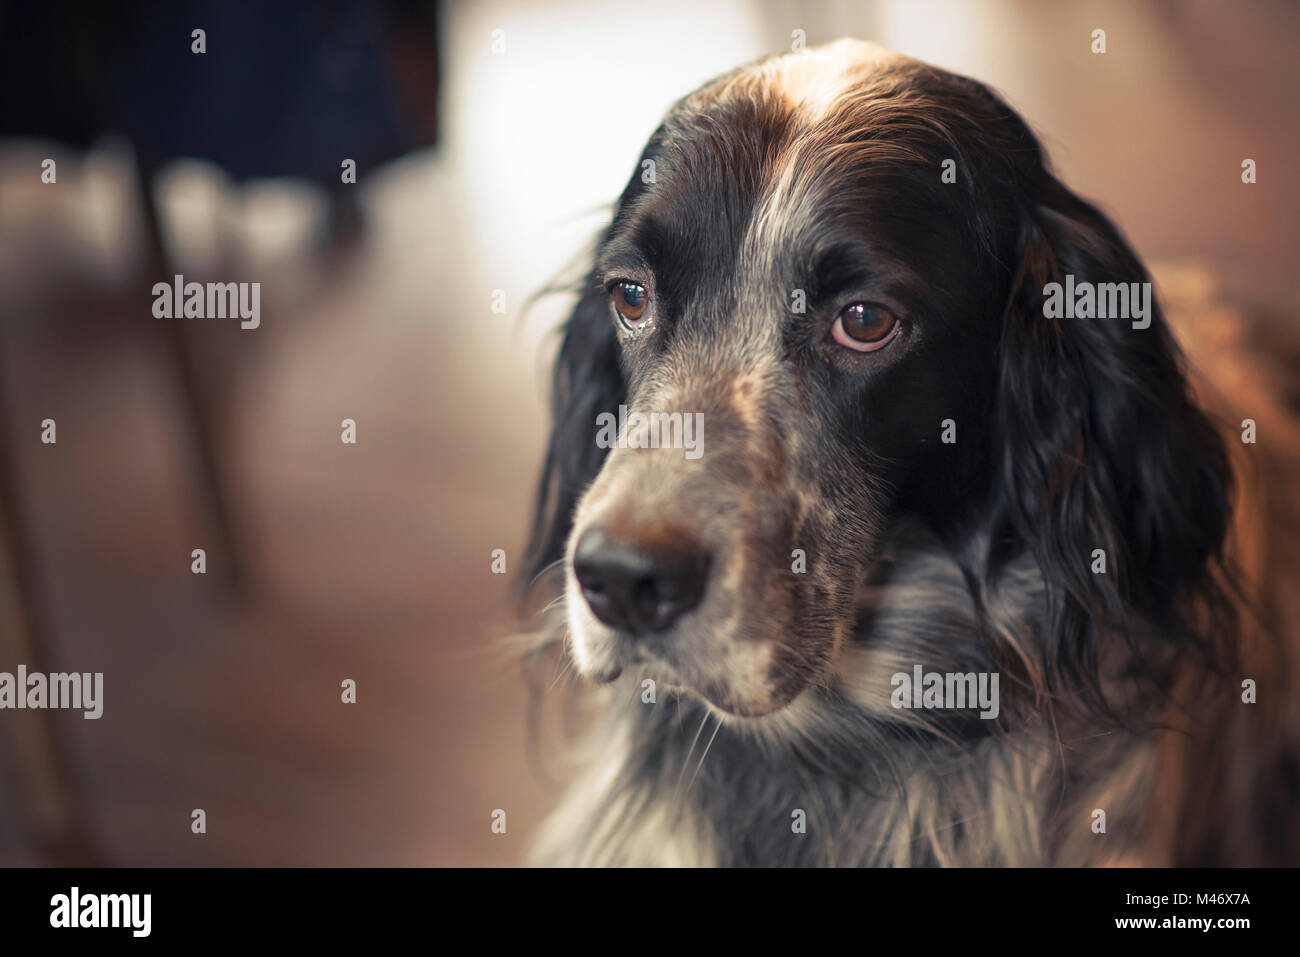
(1002, 801)
(841, 779)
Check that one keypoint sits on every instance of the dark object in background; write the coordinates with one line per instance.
(283, 89)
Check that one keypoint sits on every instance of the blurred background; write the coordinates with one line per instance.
(489, 140)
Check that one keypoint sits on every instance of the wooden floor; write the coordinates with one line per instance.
(370, 562)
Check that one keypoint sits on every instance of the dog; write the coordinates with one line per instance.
(958, 576)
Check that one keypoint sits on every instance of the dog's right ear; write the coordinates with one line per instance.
(587, 380)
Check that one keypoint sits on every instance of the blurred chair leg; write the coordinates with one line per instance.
(198, 407)
(47, 788)
(346, 227)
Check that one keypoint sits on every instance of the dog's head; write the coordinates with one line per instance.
(819, 311)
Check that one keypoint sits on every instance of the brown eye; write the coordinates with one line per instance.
(864, 327)
(630, 302)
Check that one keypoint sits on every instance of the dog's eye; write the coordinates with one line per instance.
(630, 302)
(865, 327)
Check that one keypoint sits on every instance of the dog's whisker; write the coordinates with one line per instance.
(563, 672)
(689, 751)
(712, 738)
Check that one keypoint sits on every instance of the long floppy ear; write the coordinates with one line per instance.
(587, 381)
(1102, 447)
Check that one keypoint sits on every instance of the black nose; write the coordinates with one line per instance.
(639, 585)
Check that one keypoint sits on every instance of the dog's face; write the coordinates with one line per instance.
(805, 293)
(823, 288)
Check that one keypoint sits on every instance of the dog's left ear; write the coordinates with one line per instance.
(1101, 445)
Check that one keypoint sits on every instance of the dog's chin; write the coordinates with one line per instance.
(603, 655)
(749, 710)
(722, 701)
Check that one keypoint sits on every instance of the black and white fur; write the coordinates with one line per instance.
(771, 738)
